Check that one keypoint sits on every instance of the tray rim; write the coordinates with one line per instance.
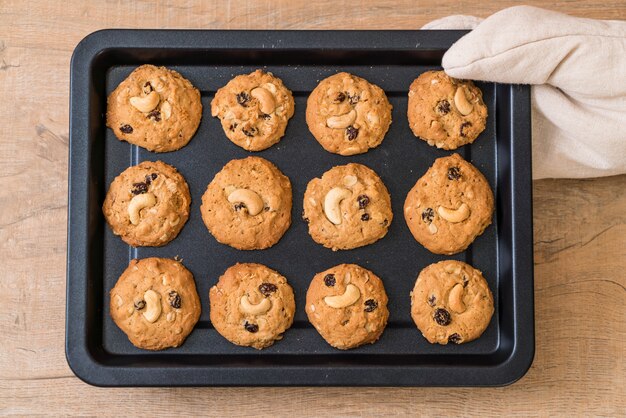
(83, 359)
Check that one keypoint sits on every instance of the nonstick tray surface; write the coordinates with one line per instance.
(99, 353)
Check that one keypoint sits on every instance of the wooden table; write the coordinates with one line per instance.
(580, 233)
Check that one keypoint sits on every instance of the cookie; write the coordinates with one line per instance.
(451, 303)
(449, 206)
(347, 114)
(347, 305)
(148, 204)
(247, 205)
(254, 110)
(154, 108)
(444, 111)
(155, 303)
(252, 305)
(348, 207)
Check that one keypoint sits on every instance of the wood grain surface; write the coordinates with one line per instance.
(580, 234)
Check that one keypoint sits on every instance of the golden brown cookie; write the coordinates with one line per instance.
(148, 204)
(155, 303)
(347, 305)
(248, 204)
(348, 207)
(154, 108)
(449, 206)
(252, 305)
(451, 303)
(347, 114)
(254, 110)
(444, 111)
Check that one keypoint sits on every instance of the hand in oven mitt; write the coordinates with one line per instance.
(577, 69)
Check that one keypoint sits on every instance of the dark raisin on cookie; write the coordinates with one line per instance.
(443, 107)
(266, 116)
(427, 215)
(351, 133)
(454, 173)
(431, 300)
(267, 289)
(239, 206)
(442, 317)
(365, 217)
(363, 201)
(155, 115)
(251, 327)
(465, 281)
(126, 129)
(243, 98)
(340, 97)
(249, 132)
(370, 305)
(147, 88)
(174, 299)
(463, 126)
(232, 127)
(140, 304)
(455, 338)
(329, 280)
(139, 188)
(385, 222)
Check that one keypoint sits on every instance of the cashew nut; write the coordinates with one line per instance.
(461, 102)
(137, 203)
(455, 299)
(331, 203)
(341, 121)
(166, 110)
(454, 215)
(267, 104)
(260, 308)
(351, 295)
(146, 103)
(249, 198)
(153, 305)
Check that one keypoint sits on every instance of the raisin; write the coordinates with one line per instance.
(239, 206)
(454, 338)
(155, 115)
(454, 173)
(139, 188)
(442, 317)
(243, 98)
(304, 218)
(443, 107)
(174, 299)
(340, 97)
(365, 217)
(354, 99)
(431, 300)
(266, 208)
(427, 215)
(251, 327)
(465, 281)
(126, 129)
(352, 133)
(370, 305)
(153, 176)
(140, 304)
(267, 289)
(147, 88)
(265, 116)
(232, 127)
(250, 132)
(385, 222)
(363, 200)
(463, 126)
(329, 280)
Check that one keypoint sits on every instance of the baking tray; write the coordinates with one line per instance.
(100, 354)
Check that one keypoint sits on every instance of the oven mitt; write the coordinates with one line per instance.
(577, 69)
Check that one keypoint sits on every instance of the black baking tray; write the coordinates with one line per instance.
(100, 354)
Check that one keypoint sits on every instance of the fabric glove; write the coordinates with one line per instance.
(577, 69)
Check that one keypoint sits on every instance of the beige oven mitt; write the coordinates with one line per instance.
(577, 69)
